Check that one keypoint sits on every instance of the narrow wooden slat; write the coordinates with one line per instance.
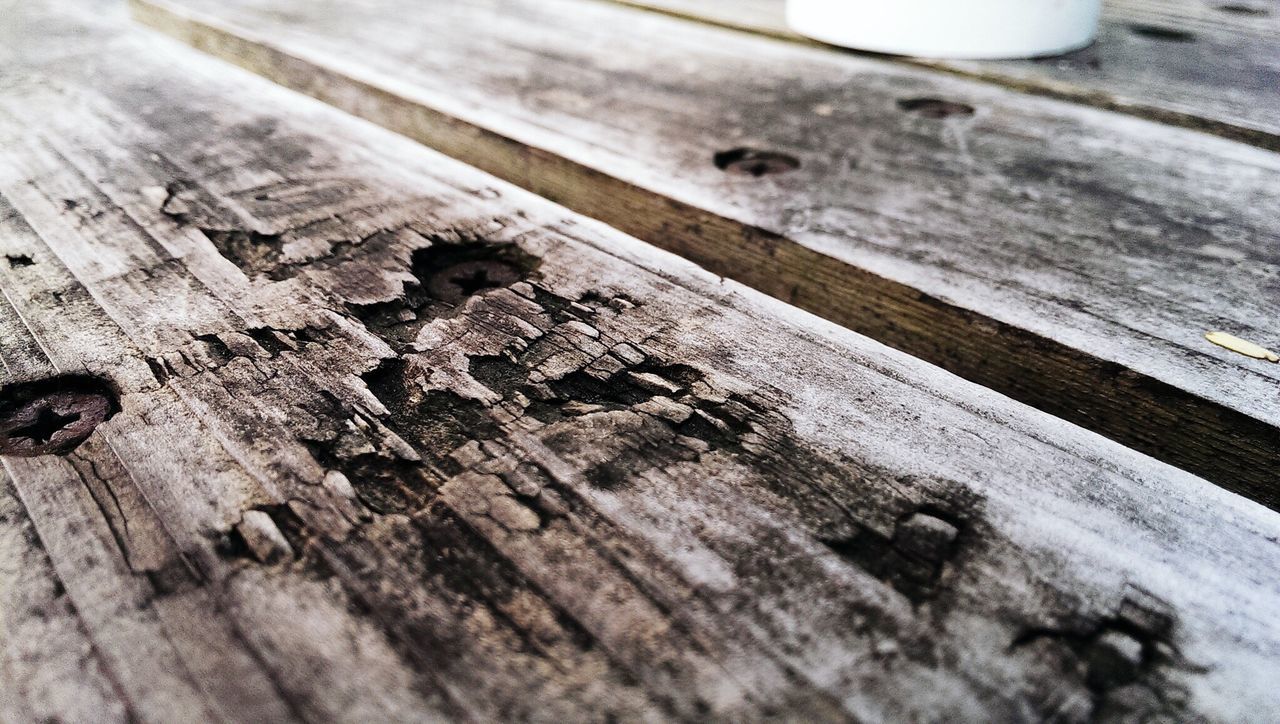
(1212, 66)
(400, 442)
(49, 670)
(1070, 258)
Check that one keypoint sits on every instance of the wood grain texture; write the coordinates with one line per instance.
(49, 670)
(1201, 64)
(1070, 258)
(579, 493)
(397, 441)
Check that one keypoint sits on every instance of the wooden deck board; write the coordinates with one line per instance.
(49, 668)
(1202, 65)
(353, 478)
(1068, 257)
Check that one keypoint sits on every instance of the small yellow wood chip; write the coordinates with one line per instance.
(1241, 346)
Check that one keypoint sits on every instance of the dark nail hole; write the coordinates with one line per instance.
(935, 108)
(751, 162)
(1156, 32)
(261, 197)
(1253, 10)
(17, 260)
(53, 416)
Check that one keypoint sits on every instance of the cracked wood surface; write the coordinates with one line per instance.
(398, 441)
(1068, 257)
(1203, 64)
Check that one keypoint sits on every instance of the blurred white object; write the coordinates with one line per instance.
(950, 28)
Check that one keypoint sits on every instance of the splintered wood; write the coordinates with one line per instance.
(392, 440)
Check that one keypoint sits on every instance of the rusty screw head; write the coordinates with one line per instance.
(52, 417)
(754, 162)
(464, 279)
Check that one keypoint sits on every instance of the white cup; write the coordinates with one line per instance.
(988, 29)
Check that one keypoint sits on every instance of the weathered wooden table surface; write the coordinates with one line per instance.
(302, 421)
(1212, 65)
(1069, 257)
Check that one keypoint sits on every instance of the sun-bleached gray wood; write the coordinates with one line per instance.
(352, 478)
(49, 670)
(1211, 65)
(1068, 257)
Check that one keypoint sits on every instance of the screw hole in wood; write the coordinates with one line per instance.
(467, 278)
(53, 416)
(1242, 9)
(935, 108)
(1157, 32)
(754, 162)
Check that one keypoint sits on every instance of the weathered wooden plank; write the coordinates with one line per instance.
(398, 441)
(1070, 258)
(49, 670)
(1203, 65)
